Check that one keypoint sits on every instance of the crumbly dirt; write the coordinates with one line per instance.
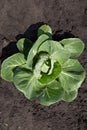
(21, 18)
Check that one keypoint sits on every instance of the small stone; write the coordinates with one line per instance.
(6, 124)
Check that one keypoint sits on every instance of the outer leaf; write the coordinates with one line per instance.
(26, 83)
(34, 49)
(74, 45)
(50, 46)
(52, 93)
(70, 96)
(61, 56)
(9, 64)
(72, 75)
(45, 29)
(24, 45)
(55, 50)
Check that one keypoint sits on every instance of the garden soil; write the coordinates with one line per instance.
(21, 18)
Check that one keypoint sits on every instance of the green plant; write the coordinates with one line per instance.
(49, 70)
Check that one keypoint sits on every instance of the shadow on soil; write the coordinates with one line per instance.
(30, 33)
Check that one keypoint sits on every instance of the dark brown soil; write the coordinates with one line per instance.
(21, 18)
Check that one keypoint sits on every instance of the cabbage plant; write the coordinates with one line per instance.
(48, 70)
